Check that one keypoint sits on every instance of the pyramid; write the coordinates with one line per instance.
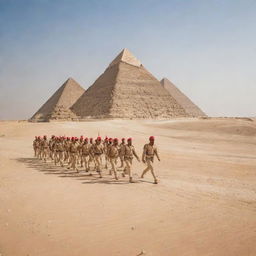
(57, 107)
(127, 90)
(192, 109)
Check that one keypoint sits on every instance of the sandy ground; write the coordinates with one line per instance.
(205, 203)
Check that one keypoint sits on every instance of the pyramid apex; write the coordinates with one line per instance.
(126, 56)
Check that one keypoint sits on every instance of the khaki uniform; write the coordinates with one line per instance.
(121, 153)
(91, 155)
(60, 152)
(85, 152)
(35, 147)
(98, 151)
(73, 155)
(44, 149)
(129, 153)
(113, 153)
(149, 151)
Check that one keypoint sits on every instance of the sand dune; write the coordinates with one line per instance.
(205, 203)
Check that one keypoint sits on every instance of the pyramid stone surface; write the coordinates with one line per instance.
(191, 108)
(58, 105)
(127, 90)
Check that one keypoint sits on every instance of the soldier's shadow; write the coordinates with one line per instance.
(49, 168)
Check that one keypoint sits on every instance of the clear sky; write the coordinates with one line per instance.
(207, 48)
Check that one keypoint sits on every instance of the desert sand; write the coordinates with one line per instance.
(205, 203)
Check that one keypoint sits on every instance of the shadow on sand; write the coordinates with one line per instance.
(91, 177)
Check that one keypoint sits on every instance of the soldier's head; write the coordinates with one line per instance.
(151, 140)
(91, 140)
(81, 138)
(98, 140)
(106, 139)
(45, 137)
(68, 138)
(86, 140)
(76, 139)
(115, 141)
(53, 136)
(110, 140)
(123, 140)
(129, 141)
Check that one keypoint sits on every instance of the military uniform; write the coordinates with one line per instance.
(85, 152)
(113, 153)
(129, 153)
(149, 151)
(98, 151)
(73, 154)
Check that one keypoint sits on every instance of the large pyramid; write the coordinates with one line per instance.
(127, 90)
(57, 107)
(192, 109)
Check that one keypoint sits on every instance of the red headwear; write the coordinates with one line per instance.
(129, 139)
(123, 139)
(116, 139)
(99, 138)
(86, 139)
(151, 138)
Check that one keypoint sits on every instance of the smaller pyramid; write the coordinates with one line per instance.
(57, 107)
(191, 108)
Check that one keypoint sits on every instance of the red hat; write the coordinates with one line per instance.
(39, 137)
(151, 138)
(45, 136)
(72, 138)
(116, 139)
(123, 139)
(106, 139)
(99, 138)
(76, 138)
(91, 139)
(68, 138)
(129, 139)
(86, 139)
(110, 139)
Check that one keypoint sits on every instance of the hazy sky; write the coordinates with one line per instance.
(207, 48)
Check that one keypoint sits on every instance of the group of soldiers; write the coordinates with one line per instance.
(89, 154)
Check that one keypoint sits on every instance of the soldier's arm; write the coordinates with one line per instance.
(156, 153)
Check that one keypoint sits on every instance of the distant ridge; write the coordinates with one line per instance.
(57, 106)
(191, 108)
(127, 90)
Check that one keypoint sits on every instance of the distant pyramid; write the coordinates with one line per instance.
(191, 108)
(127, 90)
(58, 106)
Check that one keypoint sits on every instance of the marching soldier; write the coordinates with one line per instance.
(113, 153)
(60, 151)
(44, 148)
(91, 153)
(85, 152)
(98, 151)
(73, 153)
(105, 146)
(121, 152)
(129, 153)
(35, 146)
(149, 151)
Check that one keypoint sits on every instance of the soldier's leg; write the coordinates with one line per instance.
(61, 159)
(151, 168)
(113, 165)
(97, 162)
(147, 168)
(122, 161)
(129, 169)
